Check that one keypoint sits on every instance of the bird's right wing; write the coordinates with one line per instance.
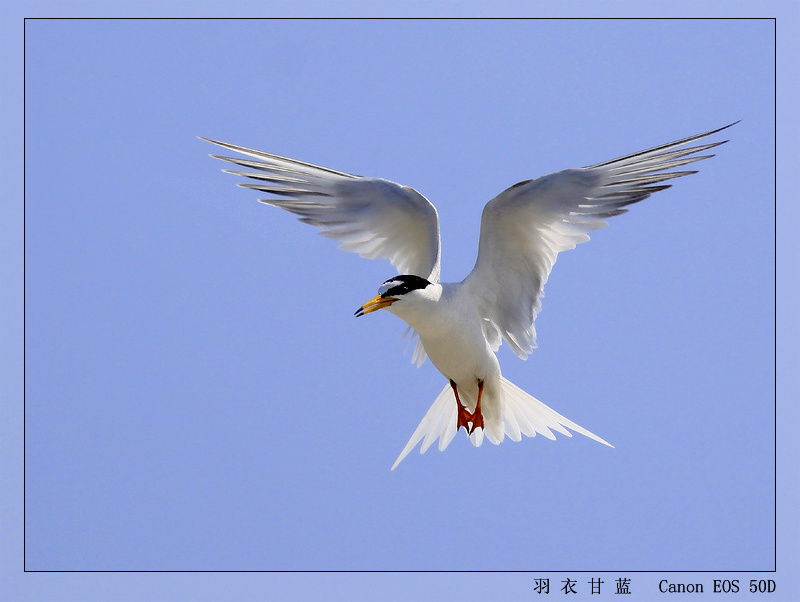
(375, 218)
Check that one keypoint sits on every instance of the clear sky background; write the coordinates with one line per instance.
(199, 396)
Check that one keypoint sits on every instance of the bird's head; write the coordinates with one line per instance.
(400, 289)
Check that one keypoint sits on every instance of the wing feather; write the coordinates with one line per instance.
(525, 227)
(375, 218)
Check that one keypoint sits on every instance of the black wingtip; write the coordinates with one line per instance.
(222, 144)
(725, 127)
(218, 143)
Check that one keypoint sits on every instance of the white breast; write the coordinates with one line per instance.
(449, 328)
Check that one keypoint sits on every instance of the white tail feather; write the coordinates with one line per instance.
(523, 414)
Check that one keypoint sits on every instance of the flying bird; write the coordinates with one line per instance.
(461, 325)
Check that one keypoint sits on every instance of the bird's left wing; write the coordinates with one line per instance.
(525, 227)
(375, 218)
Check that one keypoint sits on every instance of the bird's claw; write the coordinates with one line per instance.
(470, 421)
(477, 421)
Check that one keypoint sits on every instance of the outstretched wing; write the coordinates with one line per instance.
(525, 227)
(375, 218)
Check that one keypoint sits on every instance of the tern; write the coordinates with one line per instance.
(461, 325)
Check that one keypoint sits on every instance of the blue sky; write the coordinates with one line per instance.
(199, 396)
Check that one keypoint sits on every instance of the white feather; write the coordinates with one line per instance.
(522, 414)
(459, 326)
(376, 218)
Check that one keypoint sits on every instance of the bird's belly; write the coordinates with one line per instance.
(466, 361)
(462, 358)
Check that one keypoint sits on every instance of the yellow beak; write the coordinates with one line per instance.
(374, 304)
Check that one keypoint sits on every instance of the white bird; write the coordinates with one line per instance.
(460, 325)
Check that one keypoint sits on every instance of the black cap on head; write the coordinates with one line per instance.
(400, 285)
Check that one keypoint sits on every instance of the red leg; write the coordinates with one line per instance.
(464, 417)
(477, 415)
(470, 421)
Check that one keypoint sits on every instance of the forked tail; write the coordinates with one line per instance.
(523, 414)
